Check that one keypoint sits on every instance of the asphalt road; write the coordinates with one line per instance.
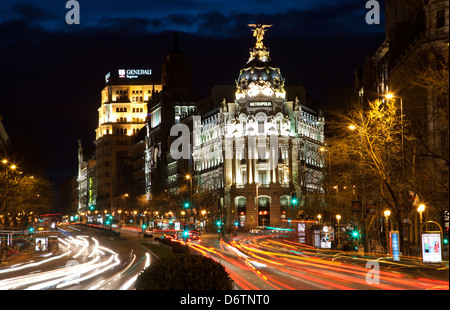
(85, 260)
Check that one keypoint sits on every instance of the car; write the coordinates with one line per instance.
(260, 230)
(194, 235)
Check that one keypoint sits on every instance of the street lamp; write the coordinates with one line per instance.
(363, 180)
(319, 217)
(204, 221)
(387, 213)
(257, 204)
(421, 209)
(188, 177)
(338, 217)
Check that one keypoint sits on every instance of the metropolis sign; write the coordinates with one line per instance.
(133, 73)
(261, 104)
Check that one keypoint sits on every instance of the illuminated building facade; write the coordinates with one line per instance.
(122, 114)
(86, 178)
(261, 147)
(4, 141)
(174, 104)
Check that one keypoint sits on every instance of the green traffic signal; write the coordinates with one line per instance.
(186, 204)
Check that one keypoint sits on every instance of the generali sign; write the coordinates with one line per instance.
(133, 73)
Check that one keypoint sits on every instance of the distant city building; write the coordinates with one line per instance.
(174, 104)
(4, 140)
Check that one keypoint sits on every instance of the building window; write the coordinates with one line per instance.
(440, 19)
(260, 126)
(262, 177)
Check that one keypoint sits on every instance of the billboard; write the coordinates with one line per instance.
(395, 244)
(431, 247)
(41, 244)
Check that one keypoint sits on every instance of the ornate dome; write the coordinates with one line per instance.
(260, 76)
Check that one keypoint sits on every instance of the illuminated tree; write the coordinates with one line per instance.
(367, 152)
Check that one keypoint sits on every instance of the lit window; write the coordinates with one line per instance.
(260, 126)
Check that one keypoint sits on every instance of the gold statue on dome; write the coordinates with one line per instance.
(258, 32)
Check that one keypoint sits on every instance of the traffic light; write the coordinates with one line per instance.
(144, 226)
(294, 200)
(186, 205)
(355, 234)
(31, 230)
(92, 207)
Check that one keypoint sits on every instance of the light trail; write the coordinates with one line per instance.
(101, 260)
(306, 265)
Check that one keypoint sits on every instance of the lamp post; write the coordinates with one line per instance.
(363, 181)
(421, 209)
(338, 217)
(387, 213)
(257, 204)
(188, 177)
(319, 217)
(204, 221)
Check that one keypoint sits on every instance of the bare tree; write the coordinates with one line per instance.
(367, 151)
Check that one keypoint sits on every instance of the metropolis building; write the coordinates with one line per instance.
(260, 149)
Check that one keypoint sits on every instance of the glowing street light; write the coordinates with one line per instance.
(387, 213)
(389, 96)
(338, 217)
(421, 209)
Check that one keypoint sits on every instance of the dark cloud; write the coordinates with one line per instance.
(341, 17)
(32, 13)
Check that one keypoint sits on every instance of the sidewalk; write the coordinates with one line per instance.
(16, 258)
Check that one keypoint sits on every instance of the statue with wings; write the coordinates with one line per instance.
(258, 32)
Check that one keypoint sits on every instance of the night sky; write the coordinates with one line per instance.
(52, 73)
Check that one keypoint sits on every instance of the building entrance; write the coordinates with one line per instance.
(263, 211)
